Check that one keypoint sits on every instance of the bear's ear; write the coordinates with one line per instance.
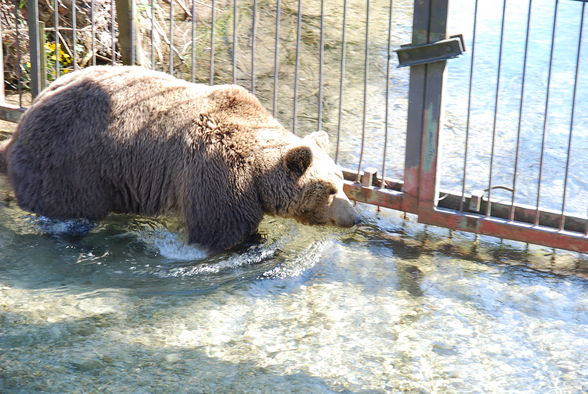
(298, 159)
(321, 138)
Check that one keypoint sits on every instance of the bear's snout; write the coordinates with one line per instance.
(342, 213)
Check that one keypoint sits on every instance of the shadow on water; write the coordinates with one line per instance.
(122, 366)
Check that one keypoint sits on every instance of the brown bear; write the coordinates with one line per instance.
(130, 140)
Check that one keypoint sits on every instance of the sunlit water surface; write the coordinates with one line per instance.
(131, 307)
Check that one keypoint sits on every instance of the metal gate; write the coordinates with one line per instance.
(358, 95)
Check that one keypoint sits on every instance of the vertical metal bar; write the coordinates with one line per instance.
(489, 206)
(296, 66)
(213, 18)
(193, 72)
(56, 37)
(125, 15)
(416, 108)
(365, 84)
(2, 92)
(133, 32)
(235, 41)
(467, 130)
(341, 77)
(153, 67)
(546, 112)
(171, 37)
(112, 38)
(386, 112)
(18, 49)
(562, 219)
(74, 34)
(432, 114)
(42, 56)
(321, 61)
(276, 60)
(93, 28)
(253, 42)
(34, 49)
(521, 102)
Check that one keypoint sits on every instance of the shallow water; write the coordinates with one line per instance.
(388, 306)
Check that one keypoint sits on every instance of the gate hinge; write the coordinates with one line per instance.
(411, 55)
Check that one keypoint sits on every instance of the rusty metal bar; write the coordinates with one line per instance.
(388, 193)
(416, 107)
(505, 228)
(432, 113)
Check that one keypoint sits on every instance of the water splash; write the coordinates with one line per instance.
(300, 264)
(171, 245)
(72, 227)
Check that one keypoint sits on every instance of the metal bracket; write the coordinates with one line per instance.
(412, 55)
(475, 204)
(369, 177)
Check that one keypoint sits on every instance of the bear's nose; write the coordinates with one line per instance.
(357, 220)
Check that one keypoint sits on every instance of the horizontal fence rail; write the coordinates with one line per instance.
(458, 143)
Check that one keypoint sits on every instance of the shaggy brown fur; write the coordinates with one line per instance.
(129, 140)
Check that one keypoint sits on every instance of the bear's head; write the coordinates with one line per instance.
(305, 184)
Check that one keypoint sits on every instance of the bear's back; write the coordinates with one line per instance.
(122, 138)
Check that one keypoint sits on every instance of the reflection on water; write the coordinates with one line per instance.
(384, 307)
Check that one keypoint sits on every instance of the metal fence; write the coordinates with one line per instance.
(510, 116)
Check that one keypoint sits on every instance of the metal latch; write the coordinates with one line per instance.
(411, 55)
